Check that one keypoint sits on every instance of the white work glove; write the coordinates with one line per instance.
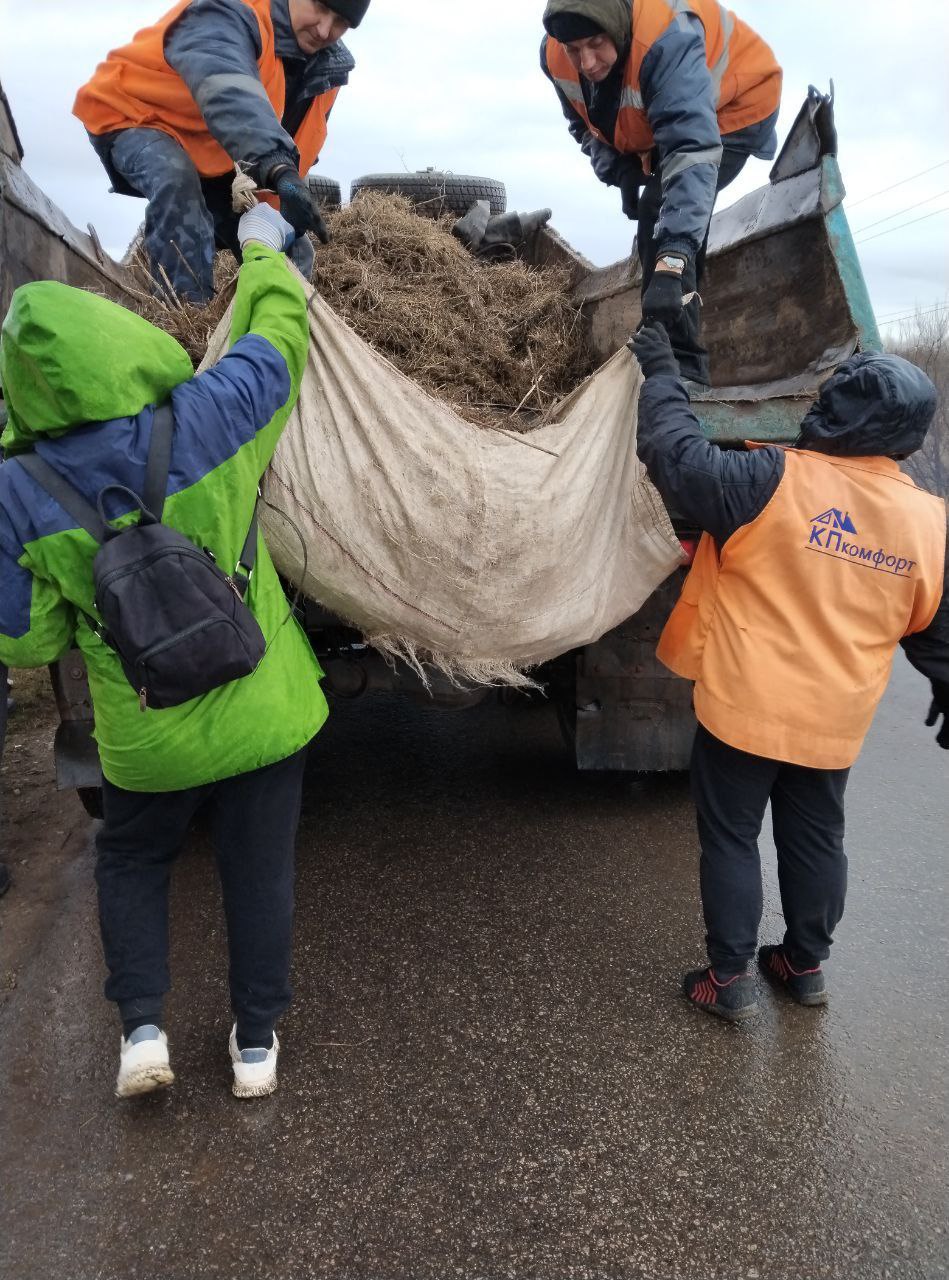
(266, 226)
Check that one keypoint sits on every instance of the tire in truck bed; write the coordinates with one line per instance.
(434, 192)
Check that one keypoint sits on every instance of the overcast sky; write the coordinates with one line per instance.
(458, 86)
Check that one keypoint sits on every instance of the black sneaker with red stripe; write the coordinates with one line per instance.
(734, 999)
(806, 986)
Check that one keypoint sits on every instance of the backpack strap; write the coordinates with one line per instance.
(155, 488)
(245, 565)
(70, 499)
(159, 461)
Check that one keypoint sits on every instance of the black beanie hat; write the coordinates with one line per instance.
(571, 26)
(351, 11)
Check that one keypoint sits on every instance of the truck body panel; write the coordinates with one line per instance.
(786, 302)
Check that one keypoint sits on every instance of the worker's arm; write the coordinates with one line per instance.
(680, 103)
(37, 624)
(611, 167)
(717, 490)
(576, 125)
(214, 46)
(249, 394)
(928, 651)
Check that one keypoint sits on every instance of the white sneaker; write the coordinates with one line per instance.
(255, 1070)
(143, 1065)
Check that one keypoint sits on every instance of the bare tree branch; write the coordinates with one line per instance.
(925, 341)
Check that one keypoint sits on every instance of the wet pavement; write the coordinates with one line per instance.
(488, 1070)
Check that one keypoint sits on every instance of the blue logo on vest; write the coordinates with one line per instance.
(836, 519)
(827, 532)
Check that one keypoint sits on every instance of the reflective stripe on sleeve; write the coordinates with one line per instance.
(685, 14)
(683, 160)
(215, 85)
(570, 89)
(721, 66)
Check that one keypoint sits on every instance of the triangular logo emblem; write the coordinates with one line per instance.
(836, 519)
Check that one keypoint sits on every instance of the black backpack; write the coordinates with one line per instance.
(178, 623)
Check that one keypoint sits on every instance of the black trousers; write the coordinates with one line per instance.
(254, 818)
(731, 790)
(737, 149)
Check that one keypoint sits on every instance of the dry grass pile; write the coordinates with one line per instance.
(490, 339)
(191, 324)
(500, 342)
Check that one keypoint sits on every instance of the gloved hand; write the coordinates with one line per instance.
(266, 226)
(629, 186)
(662, 300)
(603, 158)
(940, 707)
(298, 206)
(653, 350)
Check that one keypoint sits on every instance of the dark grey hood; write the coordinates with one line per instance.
(871, 406)
(612, 16)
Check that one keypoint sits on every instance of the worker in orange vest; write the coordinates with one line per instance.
(669, 99)
(212, 84)
(815, 563)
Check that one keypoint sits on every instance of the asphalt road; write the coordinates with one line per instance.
(488, 1070)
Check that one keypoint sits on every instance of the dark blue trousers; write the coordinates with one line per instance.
(731, 790)
(686, 334)
(187, 217)
(254, 819)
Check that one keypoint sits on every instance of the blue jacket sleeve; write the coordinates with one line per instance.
(37, 624)
(609, 165)
(249, 394)
(717, 490)
(680, 104)
(214, 47)
(576, 125)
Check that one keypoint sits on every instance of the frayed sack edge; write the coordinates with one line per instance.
(461, 672)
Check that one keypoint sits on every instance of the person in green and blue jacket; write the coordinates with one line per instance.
(81, 379)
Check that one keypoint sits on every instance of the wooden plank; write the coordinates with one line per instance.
(38, 242)
(20, 191)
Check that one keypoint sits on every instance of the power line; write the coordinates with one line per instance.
(911, 315)
(890, 315)
(912, 222)
(901, 183)
(909, 209)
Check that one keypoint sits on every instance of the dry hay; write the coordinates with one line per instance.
(487, 338)
(499, 342)
(189, 322)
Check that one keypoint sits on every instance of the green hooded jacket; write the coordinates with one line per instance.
(81, 377)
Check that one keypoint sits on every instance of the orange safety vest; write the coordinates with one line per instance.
(135, 88)
(745, 73)
(789, 630)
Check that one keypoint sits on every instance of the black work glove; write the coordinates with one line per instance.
(629, 177)
(662, 301)
(940, 707)
(604, 159)
(629, 186)
(653, 350)
(298, 206)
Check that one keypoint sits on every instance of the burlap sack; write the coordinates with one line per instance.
(478, 551)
